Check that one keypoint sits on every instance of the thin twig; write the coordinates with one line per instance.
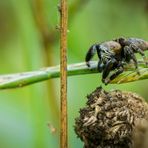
(63, 70)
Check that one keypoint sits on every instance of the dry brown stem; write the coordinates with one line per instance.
(63, 70)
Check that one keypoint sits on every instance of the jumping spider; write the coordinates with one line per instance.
(113, 54)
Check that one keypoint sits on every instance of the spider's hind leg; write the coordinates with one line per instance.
(141, 52)
(129, 55)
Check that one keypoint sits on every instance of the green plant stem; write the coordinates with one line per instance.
(26, 78)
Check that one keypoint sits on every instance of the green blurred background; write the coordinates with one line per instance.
(29, 40)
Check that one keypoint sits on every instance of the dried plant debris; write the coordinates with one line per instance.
(110, 118)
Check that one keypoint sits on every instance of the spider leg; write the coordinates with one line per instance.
(107, 68)
(91, 52)
(118, 72)
(141, 52)
(129, 54)
(100, 66)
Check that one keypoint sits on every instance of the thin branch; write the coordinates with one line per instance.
(26, 78)
(63, 69)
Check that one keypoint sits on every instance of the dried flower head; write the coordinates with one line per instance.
(109, 119)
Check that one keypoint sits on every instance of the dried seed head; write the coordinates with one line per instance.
(109, 119)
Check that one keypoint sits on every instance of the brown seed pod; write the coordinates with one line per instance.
(110, 118)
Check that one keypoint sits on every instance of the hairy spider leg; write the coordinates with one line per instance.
(118, 72)
(100, 66)
(107, 68)
(91, 52)
(141, 52)
(100, 62)
(129, 54)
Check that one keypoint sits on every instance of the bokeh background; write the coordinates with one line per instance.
(29, 40)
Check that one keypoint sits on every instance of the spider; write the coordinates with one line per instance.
(113, 54)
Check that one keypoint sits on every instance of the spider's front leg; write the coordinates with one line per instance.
(118, 72)
(140, 51)
(91, 52)
(107, 68)
(129, 55)
(100, 66)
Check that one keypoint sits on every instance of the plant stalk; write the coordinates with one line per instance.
(63, 73)
(26, 78)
